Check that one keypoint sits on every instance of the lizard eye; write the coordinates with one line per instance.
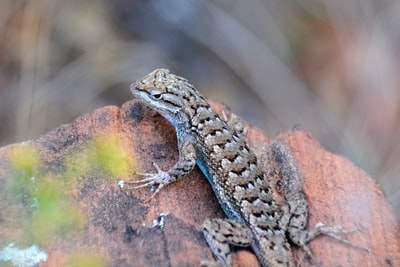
(155, 93)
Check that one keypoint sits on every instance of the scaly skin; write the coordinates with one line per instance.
(241, 184)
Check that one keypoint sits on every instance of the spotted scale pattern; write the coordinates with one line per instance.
(239, 180)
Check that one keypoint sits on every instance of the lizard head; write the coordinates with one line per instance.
(158, 79)
(164, 92)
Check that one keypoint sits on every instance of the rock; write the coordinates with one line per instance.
(60, 193)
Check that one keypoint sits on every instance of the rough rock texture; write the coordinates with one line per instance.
(118, 224)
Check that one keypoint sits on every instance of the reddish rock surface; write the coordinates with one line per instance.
(117, 224)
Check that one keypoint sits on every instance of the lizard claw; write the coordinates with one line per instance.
(161, 178)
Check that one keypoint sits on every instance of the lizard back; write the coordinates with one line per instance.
(238, 179)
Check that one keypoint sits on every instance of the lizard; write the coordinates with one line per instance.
(243, 187)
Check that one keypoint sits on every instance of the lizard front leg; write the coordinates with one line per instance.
(185, 164)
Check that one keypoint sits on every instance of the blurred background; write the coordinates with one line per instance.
(331, 67)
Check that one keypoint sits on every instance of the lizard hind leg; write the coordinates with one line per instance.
(295, 211)
(220, 234)
(301, 237)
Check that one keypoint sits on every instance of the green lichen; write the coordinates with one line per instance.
(104, 156)
(47, 209)
(85, 260)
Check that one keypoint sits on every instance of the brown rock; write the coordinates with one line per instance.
(80, 164)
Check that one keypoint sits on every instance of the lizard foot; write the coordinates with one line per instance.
(161, 178)
(321, 229)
